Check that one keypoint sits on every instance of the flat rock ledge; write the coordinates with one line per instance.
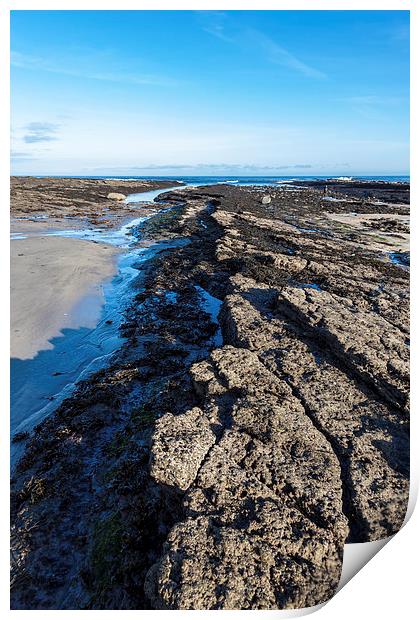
(307, 402)
(263, 501)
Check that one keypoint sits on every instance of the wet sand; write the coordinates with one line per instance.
(50, 277)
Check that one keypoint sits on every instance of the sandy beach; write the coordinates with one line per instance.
(57, 281)
(66, 304)
(49, 278)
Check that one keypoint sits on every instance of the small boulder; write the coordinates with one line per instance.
(116, 196)
(266, 199)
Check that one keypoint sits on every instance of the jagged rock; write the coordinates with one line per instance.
(209, 564)
(235, 317)
(235, 370)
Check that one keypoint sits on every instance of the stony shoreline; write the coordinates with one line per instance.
(189, 476)
(77, 201)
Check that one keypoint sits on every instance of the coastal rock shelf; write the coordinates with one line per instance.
(224, 459)
(88, 199)
(263, 510)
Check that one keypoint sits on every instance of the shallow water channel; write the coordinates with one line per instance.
(40, 384)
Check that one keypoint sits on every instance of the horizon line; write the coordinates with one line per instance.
(198, 176)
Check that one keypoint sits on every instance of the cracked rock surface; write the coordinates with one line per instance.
(264, 510)
(311, 407)
(190, 475)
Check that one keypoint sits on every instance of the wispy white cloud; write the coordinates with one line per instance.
(374, 108)
(222, 27)
(21, 156)
(40, 132)
(213, 22)
(280, 56)
(37, 63)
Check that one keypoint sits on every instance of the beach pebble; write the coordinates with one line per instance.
(266, 199)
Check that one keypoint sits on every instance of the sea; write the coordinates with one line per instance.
(240, 180)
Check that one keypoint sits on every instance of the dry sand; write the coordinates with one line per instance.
(50, 276)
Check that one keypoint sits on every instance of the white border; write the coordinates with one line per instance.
(387, 586)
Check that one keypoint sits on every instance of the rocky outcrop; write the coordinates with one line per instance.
(265, 506)
(309, 413)
(369, 435)
(79, 199)
(364, 341)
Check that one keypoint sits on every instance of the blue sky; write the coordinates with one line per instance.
(196, 92)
